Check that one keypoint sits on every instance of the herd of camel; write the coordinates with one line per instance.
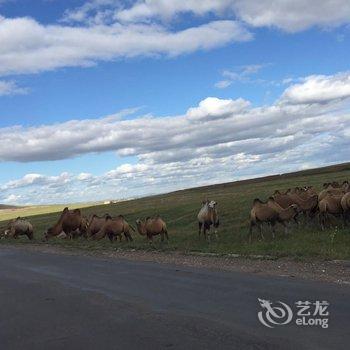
(72, 224)
(331, 203)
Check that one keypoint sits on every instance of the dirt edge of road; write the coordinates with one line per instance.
(336, 271)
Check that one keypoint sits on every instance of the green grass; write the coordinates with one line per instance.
(179, 209)
(13, 212)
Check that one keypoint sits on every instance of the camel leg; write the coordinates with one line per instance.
(166, 235)
(297, 221)
(110, 236)
(30, 235)
(322, 221)
(162, 236)
(14, 234)
(98, 238)
(208, 233)
(273, 230)
(199, 229)
(261, 231)
(127, 236)
(285, 228)
(346, 217)
(204, 231)
(251, 231)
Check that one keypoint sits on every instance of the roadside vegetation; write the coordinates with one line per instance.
(179, 210)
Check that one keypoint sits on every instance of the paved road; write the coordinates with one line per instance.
(50, 301)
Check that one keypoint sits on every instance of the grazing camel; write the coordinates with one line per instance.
(330, 188)
(271, 213)
(84, 226)
(19, 227)
(95, 224)
(308, 206)
(152, 227)
(329, 206)
(69, 222)
(285, 215)
(345, 204)
(283, 199)
(262, 213)
(305, 192)
(113, 228)
(207, 218)
(346, 186)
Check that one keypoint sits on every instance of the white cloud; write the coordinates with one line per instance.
(167, 9)
(93, 12)
(219, 140)
(84, 177)
(37, 179)
(12, 199)
(289, 15)
(241, 74)
(319, 89)
(9, 88)
(293, 15)
(29, 47)
(223, 84)
(228, 121)
(104, 30)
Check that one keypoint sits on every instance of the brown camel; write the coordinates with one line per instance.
(152, 227)
(19, 227)
(95, 224)
(329, 206)
(69, 222)
(114, 228)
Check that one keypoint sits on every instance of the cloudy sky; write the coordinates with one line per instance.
(107, 99)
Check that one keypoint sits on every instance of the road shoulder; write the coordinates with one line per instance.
(336, 271)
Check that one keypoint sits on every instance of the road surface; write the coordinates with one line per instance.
(53, 301)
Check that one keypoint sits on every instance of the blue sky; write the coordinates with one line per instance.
(199, 92)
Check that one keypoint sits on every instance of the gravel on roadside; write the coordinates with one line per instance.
(336, 271)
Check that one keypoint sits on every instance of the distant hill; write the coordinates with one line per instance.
(5, 206)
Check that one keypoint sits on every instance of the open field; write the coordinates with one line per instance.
(179, 209)
(13, 212)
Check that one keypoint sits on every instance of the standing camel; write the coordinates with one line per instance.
(207, 218)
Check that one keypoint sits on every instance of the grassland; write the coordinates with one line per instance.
(179, 209)
(12, 212)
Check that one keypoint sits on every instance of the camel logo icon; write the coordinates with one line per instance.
(274, 315)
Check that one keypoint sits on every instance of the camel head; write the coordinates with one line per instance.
(46, 235)
(212, 204)
(295, 207)
(141, 227)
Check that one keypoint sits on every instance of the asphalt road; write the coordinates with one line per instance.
(52, 301)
